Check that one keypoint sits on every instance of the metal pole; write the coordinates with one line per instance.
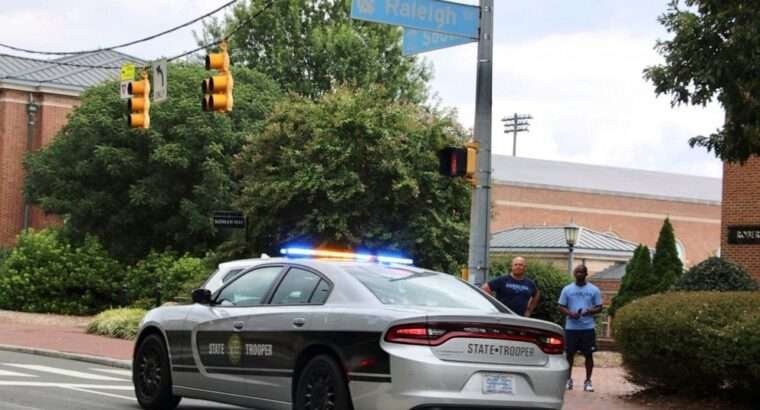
(31, 113)
(481, 199)
(514, 139)
(570, 261)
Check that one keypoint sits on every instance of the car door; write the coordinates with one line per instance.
(218, 329)
(279, 331)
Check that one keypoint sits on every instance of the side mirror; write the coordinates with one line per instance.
(202, 296)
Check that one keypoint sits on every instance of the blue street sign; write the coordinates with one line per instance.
(429, 15)
(418, 41)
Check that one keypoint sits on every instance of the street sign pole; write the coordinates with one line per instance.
(480, 212)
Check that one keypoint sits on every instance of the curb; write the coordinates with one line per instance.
(105, 361)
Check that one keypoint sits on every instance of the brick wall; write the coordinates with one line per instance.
(696, 225)
(51, 116)
(741, 206)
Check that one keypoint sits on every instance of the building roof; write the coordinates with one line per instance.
(531, 172)
(612, 272)
(21, 72)
(551, 239)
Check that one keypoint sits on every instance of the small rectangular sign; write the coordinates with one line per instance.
(744, 235)
(419, 41)
(127, 72)
(124, 89)
(160, 80)
(229, 219)
(429, 15)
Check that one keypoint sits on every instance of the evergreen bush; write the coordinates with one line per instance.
(666, 264)
(693, 342)
(46, 273)
(716, 274)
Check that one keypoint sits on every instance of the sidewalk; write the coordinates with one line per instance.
(52, 334)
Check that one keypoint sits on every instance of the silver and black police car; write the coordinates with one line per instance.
(341, 331)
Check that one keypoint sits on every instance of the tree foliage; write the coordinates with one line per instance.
(353, 169)
(138, 190)
(715, 52)
(666, 264)
(716, 274)
(312, 46)
(638, 281)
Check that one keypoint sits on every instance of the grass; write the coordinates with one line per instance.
(118, 323)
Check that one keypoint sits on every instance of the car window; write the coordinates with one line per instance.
(251, 288)
(229, 275)
(319, 296)
(399, 286)
(297, 287)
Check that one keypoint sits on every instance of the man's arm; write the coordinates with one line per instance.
(593, 311)
(486, 288)
(565, 311)
(532, 303)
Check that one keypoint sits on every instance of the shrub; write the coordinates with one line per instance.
(692, 342)
(549, 279)
(666, 264)
(716, 274)
(120, 323)
(162, 277)
(638, 281)
(45, 273)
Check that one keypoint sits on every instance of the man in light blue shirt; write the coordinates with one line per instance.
(580, 301)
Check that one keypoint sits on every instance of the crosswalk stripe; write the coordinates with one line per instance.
(4, 373)
(118, 396)
(14, 383)
(117, 372)
(63, 372)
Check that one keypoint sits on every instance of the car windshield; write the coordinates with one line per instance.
(394, 285)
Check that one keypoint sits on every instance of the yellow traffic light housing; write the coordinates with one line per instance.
(138, 104)
(217, 90)
(472, 162)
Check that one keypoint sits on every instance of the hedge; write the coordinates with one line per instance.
(163, 277)
(693, 342)
(716, 274)
(45, 273)
(119, 323)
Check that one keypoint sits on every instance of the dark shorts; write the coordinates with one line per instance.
(583, 341)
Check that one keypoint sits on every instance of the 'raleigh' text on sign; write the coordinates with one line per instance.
(744, 235)
(430, 15)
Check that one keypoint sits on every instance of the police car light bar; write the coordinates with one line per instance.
(345, 255)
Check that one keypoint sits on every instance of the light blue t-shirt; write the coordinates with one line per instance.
(576, 297)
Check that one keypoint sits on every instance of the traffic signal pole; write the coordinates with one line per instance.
(480, 211)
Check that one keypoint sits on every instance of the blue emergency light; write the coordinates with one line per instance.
(363, 257)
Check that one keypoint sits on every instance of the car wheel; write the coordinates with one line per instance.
(152, 377)
(321, 386)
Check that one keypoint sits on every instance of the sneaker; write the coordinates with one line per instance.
(569, 384)
(587, 386)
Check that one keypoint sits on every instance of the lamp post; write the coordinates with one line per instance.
(571, 237)
(31, 111)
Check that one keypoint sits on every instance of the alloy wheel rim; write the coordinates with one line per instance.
(320, 390)
(150, 371)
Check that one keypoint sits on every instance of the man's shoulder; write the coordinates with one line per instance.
(568, 286)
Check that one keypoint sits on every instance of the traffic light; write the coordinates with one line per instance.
(138, 104)
(459, 161)
(217, 89)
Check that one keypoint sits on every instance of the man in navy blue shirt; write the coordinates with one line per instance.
(580, 301)
(517, 292)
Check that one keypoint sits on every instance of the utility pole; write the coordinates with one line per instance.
(480, 214)
(515, 124)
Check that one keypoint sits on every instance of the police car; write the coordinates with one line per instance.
(328, 330)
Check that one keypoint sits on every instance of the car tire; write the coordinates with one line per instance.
(152, 377)
(321, 385)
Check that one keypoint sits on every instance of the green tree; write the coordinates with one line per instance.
(716, 274)
(312, 46)
(638, 280)
(354, 170)
(715, 52)
(138, 190)
(666, 264)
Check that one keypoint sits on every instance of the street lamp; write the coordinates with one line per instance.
(571, 237)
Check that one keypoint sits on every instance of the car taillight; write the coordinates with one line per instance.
(434, 334)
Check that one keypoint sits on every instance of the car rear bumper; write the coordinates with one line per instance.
(421, 381)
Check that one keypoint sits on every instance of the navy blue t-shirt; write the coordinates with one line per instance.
(514, 293)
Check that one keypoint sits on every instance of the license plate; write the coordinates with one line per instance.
(498, 383)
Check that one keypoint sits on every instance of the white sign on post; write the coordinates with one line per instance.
(160, 80)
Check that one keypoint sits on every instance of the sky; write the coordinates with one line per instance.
(574, 66)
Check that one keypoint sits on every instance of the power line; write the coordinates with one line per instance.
(207, 45)
(151, 37)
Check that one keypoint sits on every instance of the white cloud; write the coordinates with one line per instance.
(588, 100)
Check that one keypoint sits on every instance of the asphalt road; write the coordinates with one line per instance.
(29, 382)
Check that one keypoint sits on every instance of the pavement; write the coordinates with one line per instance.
(50, 336)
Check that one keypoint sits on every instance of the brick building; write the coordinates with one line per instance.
(740, 231)
(625, 203)
(36, 97)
